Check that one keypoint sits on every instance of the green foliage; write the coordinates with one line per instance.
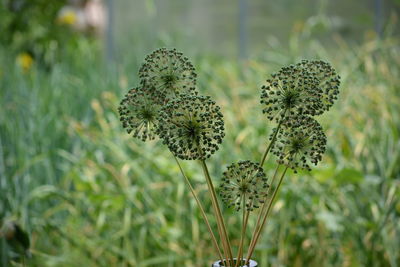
(31, 26)
(88, 195)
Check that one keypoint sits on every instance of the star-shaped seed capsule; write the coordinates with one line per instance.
(306, 88)
(169, 72)
(299, 143)
(139, 114)
(244, 181)
(192, 127)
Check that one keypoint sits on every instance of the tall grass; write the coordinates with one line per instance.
(91, 195)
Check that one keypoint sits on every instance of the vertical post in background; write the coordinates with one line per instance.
(379, 17)
(110, 56)
(242, 40)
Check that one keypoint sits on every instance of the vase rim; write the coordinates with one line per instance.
(252, 263)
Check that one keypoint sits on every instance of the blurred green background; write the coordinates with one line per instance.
(87, 194)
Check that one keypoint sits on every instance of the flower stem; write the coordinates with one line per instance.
(251, 250)
(217, 212)
(201, 210)
(271, 143)
(245, 219)
(264, 206)
(264, 157)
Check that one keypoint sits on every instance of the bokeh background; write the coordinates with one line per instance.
(84, 193)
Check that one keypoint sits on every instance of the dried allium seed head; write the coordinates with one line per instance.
(192, 126)
(246, 181)
(299, 143)
(139, 114)
(169, 73)
(307, 88)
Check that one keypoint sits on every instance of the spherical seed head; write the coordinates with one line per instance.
(244, 181)
(306, 88)
(169, 72)
(191, 126)
(299, 143)
(139, 114)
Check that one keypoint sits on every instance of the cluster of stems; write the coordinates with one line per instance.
(225, 255)
(261, 219)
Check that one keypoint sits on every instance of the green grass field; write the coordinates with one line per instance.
(90, 195)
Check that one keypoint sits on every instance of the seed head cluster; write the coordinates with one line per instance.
(192, 127)
(169, 72)
(167, 105)
(306, 88)
(299, 143)
(139, 114)
(244, 181)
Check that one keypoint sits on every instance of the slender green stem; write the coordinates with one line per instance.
(214, 202)
(264, 157)
(201, 209)
(242, 234)
(273, 179)
(219, 226)
(245, 219)
(271, 143)
(251, 250)
(245, 227)
(217, 210)
(263, 207)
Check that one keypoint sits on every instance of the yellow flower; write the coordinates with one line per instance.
(67, 16)
(25, 61)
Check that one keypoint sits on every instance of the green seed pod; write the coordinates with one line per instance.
(244, 180)
(169, 73)
(192, 127)
(306, 88)
(299, 143)
(139, 114)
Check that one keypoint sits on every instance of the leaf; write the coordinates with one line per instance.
(349, 176)
(331, 221)
(43, 191)
(324, 175)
